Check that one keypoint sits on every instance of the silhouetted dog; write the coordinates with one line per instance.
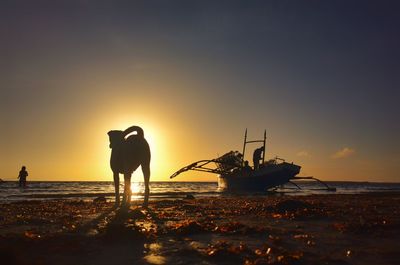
(126, 156)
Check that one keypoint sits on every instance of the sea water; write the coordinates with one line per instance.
(86, 190)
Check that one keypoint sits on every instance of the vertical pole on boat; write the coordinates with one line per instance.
(244, 146)
(265, 137)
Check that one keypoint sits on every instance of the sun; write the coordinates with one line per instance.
(137, 189)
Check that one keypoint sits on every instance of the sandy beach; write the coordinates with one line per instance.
(315, 229)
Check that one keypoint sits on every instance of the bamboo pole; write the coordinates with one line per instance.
(244, 146)
(265, 137)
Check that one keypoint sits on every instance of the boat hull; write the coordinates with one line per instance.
(267, 177)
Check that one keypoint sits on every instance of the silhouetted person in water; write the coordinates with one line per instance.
(22, 177)
(257, 157)
(126, 156)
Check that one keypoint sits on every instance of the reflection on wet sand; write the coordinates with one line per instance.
(315, 229)
(153, 254)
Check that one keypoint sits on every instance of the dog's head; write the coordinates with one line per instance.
(116, 138)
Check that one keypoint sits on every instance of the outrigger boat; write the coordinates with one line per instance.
(235, 175)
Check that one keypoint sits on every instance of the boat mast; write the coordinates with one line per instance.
(255, 141)
(265, 137)
(244, 146)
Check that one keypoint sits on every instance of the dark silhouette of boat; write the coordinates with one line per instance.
(234, 173)
(269, 175)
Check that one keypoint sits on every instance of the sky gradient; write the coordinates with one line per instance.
(322, 77)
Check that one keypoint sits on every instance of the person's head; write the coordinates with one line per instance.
(23, 167)
(246, 163)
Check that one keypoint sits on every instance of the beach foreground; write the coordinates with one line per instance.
(315, 229)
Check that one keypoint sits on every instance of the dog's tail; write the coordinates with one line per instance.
(139, 131)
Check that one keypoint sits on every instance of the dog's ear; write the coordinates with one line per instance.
(113, 132)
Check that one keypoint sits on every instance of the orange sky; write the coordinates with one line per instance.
(74, 146)
(63, 135)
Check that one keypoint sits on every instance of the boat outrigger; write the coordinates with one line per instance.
(236, 175)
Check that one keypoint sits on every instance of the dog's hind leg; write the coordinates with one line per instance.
(116, 184)
(146, 176)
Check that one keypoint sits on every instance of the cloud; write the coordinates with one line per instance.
(303, 153)
(343, 153)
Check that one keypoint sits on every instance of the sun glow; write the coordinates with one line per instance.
(137, 189)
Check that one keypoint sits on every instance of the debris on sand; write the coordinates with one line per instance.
(291, 206)
(100, 199)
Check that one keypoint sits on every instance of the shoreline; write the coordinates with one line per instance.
(9, 192)
(109, 196)
(184, 181)
(311, 229)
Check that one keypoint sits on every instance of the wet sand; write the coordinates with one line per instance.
(315, 229)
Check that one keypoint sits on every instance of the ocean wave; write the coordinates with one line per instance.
(9, 191)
